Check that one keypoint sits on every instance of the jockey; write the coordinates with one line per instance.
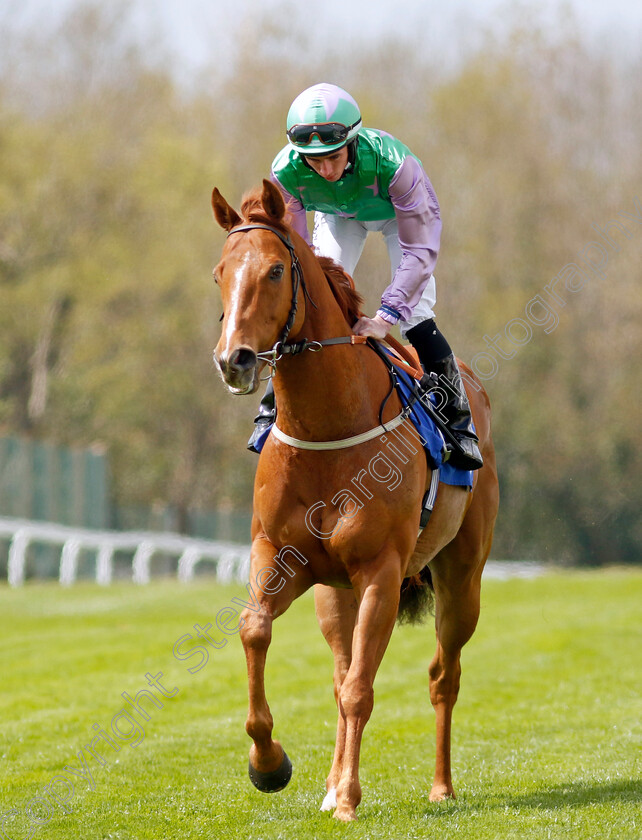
(359, 180)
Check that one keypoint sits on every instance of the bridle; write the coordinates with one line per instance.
(282, 345)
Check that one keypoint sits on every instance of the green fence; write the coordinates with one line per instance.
(54, 484)
(47, 483)
(229, 525)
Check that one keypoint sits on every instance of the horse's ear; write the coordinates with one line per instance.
(226, 216)
(272, 200)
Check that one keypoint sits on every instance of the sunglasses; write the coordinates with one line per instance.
(327, 133)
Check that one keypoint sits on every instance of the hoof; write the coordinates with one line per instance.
(275, 779)
(440, 793)
(346, 814)
(330, 800)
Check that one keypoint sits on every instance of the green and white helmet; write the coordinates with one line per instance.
(322, 119)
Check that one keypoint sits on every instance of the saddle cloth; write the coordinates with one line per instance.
(431, 437)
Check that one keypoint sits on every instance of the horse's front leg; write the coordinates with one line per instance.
(336, 613)
(276, 578)
(378, 594)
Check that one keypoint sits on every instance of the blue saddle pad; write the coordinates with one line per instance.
(259, 443)
(431, 437)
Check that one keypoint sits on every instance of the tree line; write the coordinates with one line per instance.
(108, 313)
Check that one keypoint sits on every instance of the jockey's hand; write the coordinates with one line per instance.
(373, 327)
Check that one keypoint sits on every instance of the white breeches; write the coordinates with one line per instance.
(343, 240)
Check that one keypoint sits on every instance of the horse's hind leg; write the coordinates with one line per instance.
(269, 766)
(337, 613)
(457, 584)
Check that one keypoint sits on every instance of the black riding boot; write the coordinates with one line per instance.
(265, 417)
(436, 357)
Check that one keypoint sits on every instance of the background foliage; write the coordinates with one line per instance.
(107, 309)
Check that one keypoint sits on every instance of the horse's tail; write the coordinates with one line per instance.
(416, 598)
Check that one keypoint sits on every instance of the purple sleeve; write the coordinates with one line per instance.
(419, 223)
(298, 217)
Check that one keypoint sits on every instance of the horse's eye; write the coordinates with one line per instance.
(277, 271)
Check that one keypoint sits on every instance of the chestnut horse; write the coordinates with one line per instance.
(320, 519)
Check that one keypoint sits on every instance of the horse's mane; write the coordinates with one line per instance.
(340, 282)
(343, 289)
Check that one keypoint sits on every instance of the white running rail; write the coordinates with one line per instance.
(231, 560)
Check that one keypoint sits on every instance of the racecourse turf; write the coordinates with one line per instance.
(546, 735)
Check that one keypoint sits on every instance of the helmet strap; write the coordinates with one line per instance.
(352, 151)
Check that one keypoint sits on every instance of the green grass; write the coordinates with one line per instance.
(546, 732)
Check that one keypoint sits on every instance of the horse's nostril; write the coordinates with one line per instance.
(243, 359)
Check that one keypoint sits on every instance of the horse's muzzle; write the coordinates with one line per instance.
(239, 370)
